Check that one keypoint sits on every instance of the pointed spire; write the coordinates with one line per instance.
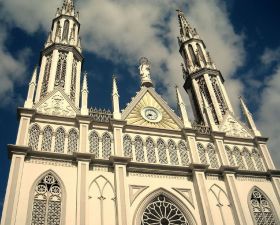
(208, 114)
(34, 76)
(31, 90)
(84, 107)
(68, 7)
(145, 72)
(182, 109)
(249, 118)
(115, 100)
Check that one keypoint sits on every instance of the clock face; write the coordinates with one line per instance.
(151, 114)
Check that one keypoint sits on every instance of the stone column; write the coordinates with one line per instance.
(55, 58)
(41, 78)
(68, 76)
(275, 179)
(230, 182)
(261, 145)
(218, 138)
(201, 193)
(84, 122)
(117, 127)
(190, 138)
(83, 161)
(17, 154)
(25, 117)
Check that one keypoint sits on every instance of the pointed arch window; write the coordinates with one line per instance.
(184, 153)
(106, 146)
(46, 77)
(46, 207)
(200, 52)
(162, 211)
(34, 134)
(127, 145)
(173, 153)
(65, 30)
(192, 55)
(139, 150)
(258, 160)
(214, 163)
(262, 209)
(58, 31)
(219, 95)
(59, 140)
(72, 141)
(162, 155)
(47, 139)
(238, 157)
(73, 80)
(201, 153)
(248, 159)
(94, 144)
(151, 154)
(61, 70)
(230, 156)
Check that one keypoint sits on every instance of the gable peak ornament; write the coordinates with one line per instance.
(145, 72)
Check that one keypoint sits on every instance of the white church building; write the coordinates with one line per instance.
(144, 165)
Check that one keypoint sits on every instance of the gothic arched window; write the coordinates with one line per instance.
(248, 159)
(65, 30)
(47, 139)
(46, 77)
(59, 140)
(106, 146)
(219, 95)
(262, 209)
(258, 160)
(151, 154)
(200, 52)
(34, 134)
(72, 141)
(61, 69)
(162, 156)
(201, 153)
(212, 156)
(173, 153)
(162, 211)
(46, 207)
(230, 157)
(94, 144)
(184, 153)
(238, 158)
(193, 56)
(139, 150)
(127, 146)
(73, 80)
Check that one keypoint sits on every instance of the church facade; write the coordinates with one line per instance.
(143, 165)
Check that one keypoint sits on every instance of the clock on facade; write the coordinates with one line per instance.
(151, 114)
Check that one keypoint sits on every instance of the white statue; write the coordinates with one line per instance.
(145, 71)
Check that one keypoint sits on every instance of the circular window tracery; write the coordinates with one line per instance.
(161, 211)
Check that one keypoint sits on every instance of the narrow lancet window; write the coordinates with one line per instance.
(47, 139)
(173, 153)
(46, 77)
(106, 146)
(61, 69)
(127, 145)
(59, 140)
(94, 144)
(65, 30)
(72, 141)
(151, 154)
(139, 150)
(34, 134)
(162, 155)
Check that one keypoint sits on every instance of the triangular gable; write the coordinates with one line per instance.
(147, 97)
(235, 128)
(57, 103)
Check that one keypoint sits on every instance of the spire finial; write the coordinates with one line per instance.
(115, 100)
(145, 72)
(182, 108)
(85, 86)
(186, 31)
(115, 88)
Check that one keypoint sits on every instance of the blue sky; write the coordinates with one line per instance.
(243, 38)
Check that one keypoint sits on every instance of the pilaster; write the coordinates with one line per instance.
(55, 57)
(25, 117)
(261, 145)
(218, 138)
(190, 138)
(237, 210)
(68, 76)
(41, 77)
(225, 95)
(78, 84)
(84, 122)
(117, 126)
(275, 179)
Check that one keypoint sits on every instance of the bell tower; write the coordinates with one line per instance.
(202, 78)
(61, 59)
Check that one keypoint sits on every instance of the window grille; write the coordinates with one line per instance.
(201, 153)
(73, 80)
(46, 77)
(94, 144)
(238, 158)
(193, 56)
(219, 95)
(212, 156)
(258, 160)
(162, 211)
(46, 208)
(230, 156)
(249, 160)
(65, 30)
(47, 139)
(151, 154)
(34, 134)
(127, 145)
(173, 153)
(262, 209)
(61, 70)
(106, 146)
(59, 140)
(58, 31)
(162, 155)
(184, 153)
(139, 150)
(72, 141)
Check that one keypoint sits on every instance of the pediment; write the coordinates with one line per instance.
(57, 103)
(234, 128)
(147, 97)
